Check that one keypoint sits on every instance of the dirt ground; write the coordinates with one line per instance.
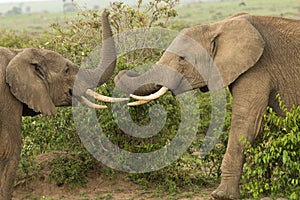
(98, 187)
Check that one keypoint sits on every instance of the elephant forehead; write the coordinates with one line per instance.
(55, 61)
(52, 56)
(185, 45)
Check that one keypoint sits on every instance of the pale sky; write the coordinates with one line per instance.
(18, 1)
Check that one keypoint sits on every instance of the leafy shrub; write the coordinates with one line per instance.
(70, 171)
(273, 166)
(155, 14)
(75, 38)
(15, 40)
(125, 18)
(42, 134)
(188, 171)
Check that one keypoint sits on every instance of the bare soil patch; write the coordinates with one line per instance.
(98, 187)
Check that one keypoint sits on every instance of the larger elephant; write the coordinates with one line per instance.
(34, 81)
(256, 56)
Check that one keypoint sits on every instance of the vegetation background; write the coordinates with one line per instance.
(54, 157)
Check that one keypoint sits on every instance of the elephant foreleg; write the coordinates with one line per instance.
(8, 169)
(10, 148)
(248, 107)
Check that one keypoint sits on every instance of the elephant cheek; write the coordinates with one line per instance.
(182, 87)
(64, 99)
(175, 84)
(168, 77)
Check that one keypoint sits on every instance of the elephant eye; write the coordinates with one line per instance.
(35, 65)
(213, 47)
(181, 58)
(67, 69)
(38, 69)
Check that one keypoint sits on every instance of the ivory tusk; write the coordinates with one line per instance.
(153, 96)
(90, 104)
(100, 97)
(137, 103)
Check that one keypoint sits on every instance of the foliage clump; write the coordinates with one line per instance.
(155, 14)
(70, 171)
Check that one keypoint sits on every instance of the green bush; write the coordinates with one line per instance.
(15, 40)
(70, 171)
(42, 134)
(155, 14)
(273, 166)
(188, 171)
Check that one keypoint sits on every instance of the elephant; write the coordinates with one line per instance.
(35, 81)
(256, 57)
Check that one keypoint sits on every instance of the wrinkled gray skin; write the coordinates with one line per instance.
(256, 56)
(34, 81)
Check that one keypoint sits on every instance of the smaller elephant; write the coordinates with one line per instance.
(257, 57)
(34, 81)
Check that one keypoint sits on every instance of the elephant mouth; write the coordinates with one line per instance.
(69, 95)
(204, 89)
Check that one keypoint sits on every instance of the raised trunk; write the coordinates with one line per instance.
(90, 78)
(109, 55)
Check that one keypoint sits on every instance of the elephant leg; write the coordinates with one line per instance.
(248, 107)
(10, 149)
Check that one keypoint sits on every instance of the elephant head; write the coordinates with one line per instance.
(43, 79)
(208, 57)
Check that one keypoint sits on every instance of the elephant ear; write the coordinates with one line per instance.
(27, 80)
(236, 47)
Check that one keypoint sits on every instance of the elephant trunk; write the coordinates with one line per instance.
(131, 82)
(109, 55)
(150, 82)
(90, 78)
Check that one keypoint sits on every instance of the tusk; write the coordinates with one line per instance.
(150, 97)
(100, 97)
(137, 103)
(90, 104)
